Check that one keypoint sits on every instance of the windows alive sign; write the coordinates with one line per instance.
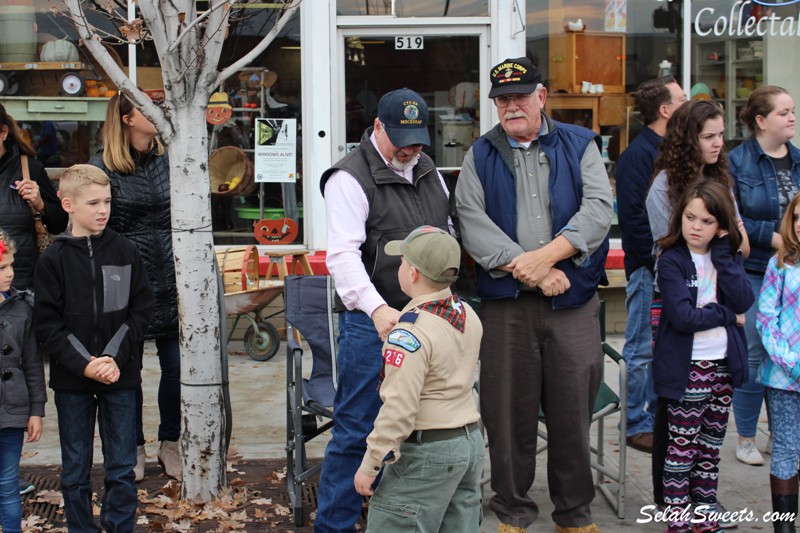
(276, 150)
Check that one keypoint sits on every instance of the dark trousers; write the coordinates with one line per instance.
(115, 414)
(532, 356)
(169, 393)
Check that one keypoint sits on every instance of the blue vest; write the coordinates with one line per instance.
(564, 145)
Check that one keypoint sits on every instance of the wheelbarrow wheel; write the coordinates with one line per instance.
(263, 344)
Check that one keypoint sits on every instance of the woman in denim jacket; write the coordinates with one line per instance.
(766, 171)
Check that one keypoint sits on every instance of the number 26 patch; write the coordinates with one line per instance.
(394, 357)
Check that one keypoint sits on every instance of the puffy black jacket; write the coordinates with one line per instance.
(140, 210)
(93, 298)
(16, 217)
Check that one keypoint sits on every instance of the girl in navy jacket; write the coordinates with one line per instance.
(700, 351)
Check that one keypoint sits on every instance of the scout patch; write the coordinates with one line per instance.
(404, 339)
(393, 357)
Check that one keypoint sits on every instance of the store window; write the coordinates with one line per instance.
(593, 56)
(58, 94)
(414, 8)
(269, 90)
(738, 47)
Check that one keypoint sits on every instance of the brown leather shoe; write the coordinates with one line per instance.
(642, 442)
(591, 528)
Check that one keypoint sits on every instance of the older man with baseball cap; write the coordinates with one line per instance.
(535, 206)
(379, 192)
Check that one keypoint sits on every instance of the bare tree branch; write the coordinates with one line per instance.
(115, 72)
(213, 39)
(261, 46)
(196, 21)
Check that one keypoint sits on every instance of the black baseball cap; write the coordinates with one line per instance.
(514, 76)
(404, 115)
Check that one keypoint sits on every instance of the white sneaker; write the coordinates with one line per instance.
(768, 448)
(138, 470)
(748, 454)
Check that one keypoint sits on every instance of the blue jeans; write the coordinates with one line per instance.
(434, 486)
(355, 407)
(638, 352)
(784, 412)
(10, 501)
(115, 414)
(169, 393)
(747, 399)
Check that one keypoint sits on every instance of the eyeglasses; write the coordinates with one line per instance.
(519, 99)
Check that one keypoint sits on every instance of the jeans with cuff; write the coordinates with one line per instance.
(638, 352)
(748, 398)
(355, 408)
(115, 414)
(10, 500)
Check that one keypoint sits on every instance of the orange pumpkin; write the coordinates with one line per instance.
(109, 93)
(278, 231)
(93, 92)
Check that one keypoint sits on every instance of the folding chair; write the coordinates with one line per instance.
(606, 403)
(309, 310)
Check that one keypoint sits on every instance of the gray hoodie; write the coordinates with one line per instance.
(22, 385)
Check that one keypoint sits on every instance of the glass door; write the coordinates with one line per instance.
(445, 65)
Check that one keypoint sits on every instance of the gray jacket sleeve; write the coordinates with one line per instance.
(658, 206)
(488, 245)
(587, 229)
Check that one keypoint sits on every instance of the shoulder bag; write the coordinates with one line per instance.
(43, 236)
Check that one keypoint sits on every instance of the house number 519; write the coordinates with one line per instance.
(409, 42)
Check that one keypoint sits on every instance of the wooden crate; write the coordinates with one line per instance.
(239, 268)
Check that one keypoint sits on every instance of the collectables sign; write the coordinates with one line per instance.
(276, 150)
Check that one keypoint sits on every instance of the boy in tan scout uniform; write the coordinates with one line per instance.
(426, 432)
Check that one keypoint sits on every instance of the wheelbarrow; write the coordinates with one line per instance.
(246, 295)
(261, 339)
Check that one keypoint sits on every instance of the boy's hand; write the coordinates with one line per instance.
(34, 428)
(740, 320)
(109, 370)
(103, 369)
(363, 483)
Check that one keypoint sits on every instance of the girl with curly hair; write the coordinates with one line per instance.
(693, 148)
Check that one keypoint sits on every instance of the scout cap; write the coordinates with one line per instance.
(431, 251)
(404, 115)
(514, 76)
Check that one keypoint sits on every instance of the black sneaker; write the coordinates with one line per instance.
(25, 486)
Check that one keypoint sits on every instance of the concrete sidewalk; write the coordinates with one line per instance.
(258, 393)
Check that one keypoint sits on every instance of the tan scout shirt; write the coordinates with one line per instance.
(429, 368)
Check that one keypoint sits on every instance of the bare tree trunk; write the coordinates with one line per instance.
(202, 405)
(189, 48)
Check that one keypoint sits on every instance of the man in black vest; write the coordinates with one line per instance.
(379, 192)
